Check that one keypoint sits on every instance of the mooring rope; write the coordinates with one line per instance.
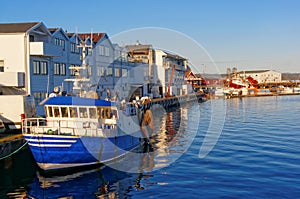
(16, 151)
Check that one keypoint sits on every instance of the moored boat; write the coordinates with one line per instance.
(81, 132)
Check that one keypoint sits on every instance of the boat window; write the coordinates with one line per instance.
(92, 112)
(64, 111)
(56, 111)
(108, 113)
(73, 112)
(114, 114)
(49, 113)
(99, 112)
(83, 112)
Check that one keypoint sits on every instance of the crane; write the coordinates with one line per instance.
(170, 82)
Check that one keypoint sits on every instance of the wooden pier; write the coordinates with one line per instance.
(174, 101)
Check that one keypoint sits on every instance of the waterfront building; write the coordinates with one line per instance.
(33, 60)
(193, 79)
(164, 72)
(262, 76)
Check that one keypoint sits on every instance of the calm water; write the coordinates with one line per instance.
(257, 155)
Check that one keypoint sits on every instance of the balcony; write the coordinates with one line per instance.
(9, 79)
(45, 49)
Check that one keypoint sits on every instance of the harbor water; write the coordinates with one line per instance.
(236, 148)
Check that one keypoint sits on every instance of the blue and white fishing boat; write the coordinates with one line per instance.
(80, 131)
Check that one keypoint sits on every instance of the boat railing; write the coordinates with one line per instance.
(66, 127)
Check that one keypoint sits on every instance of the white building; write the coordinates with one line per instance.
(262, 76)
(164, 72)
(169, 70)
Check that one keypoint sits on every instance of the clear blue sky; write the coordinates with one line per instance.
(247, 34)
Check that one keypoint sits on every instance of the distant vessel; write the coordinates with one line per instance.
(296, 89)
(219, 92)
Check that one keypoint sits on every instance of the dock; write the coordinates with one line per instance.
(174, 101)
(11, 144)
(260, 95)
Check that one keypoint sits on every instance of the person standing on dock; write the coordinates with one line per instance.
(147, 123)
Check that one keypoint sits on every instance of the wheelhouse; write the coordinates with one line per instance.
(80, 112)
(78, 108)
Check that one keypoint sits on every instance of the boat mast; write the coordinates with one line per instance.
(81, 80)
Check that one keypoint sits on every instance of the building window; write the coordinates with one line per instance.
(117, 72)
(56, 41)
(124, 72)
(106, 51)
(59, 69)
(31, 38)
(74, 48)
(43, 96)
(118, 55)
(100, 71)
(36, 67)
(62, 44)
(62, 69)
(44, 68)
(39, 96)
(109, 71)
(59, 42)
(101, 50)
(1, 65)
(56, 69)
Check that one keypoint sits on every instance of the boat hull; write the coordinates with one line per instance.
(53, 152)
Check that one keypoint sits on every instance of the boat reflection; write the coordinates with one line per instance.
(106, 181)
(133, 172)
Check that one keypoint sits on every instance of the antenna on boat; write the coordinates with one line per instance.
(81, 80)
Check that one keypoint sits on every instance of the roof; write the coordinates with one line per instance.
(174, 56)
(70, 34)
(16, 27)
(138, 48)
(77, 101)
(52, 30)
(96, 36)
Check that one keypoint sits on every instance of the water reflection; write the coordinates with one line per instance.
(16, 172)
(170, 140)
(101, 182)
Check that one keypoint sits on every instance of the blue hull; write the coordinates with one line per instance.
(53, 152)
